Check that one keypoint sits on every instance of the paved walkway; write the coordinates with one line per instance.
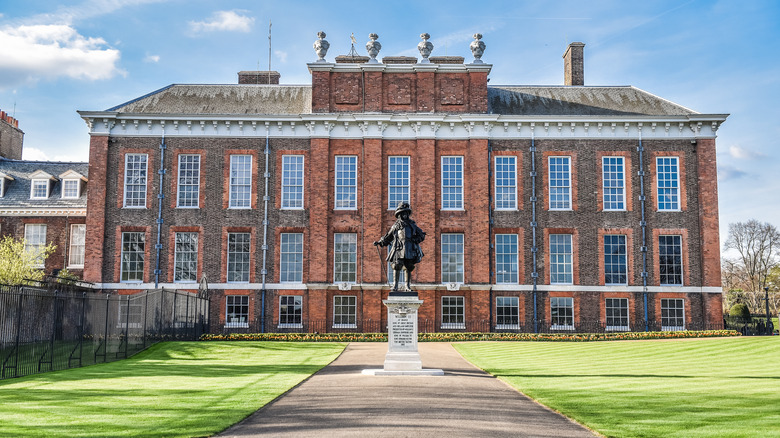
(339, 401)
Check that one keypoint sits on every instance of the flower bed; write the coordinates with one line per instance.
(456, 337)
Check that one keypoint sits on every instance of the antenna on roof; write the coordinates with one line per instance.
(269, 51)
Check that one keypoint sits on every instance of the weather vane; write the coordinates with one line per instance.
(353, 53)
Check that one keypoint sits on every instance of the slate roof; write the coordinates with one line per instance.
(509, 100)
(17, 192)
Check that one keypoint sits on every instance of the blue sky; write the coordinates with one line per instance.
(711, 56)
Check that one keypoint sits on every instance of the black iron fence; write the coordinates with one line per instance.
(480, 326)
(45, 329)
(755, 325)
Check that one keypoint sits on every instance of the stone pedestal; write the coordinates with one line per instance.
(402, 356)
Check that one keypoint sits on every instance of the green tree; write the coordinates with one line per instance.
(17, 264)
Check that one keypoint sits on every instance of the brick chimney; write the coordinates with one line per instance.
(259, 77)
(11, 137)
(574, 65)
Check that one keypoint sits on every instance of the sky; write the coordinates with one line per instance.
(57, 57)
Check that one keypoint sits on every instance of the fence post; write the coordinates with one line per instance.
(127, 325)
(187, 314)
(105, 338)
(18, 333)
(53, 331)
(81, 329)
(173, 315)
(146, 312)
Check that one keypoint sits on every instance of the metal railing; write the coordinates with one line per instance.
(45, 330)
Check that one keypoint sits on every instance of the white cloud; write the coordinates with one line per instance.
(34, 154)
(152, 58)
(224, 21)
(744, 154)
(29, 53)
(282, 56)
(729, 173)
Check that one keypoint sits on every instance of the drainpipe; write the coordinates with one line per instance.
(534, 249)
(160, 197)
(643, 224)
(491, 243)
(264, 272)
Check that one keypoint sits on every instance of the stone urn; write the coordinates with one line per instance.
(477, 48)
(321, 47)
(373, 47)
(425, 47)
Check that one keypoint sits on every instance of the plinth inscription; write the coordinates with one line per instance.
(403, 330)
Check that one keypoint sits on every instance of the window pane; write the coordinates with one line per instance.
(451, 183)
(290, 310)
(560, 183)
(292, 181)
(452, 313)
(189, 180)
(40, 188)
(238, 257)
(616, 313)
(346, 182)
(615, 265)
(135, 180)
(35, 241)
(668, 183)
(237, 311)
(345, 257)
(560, 259)
(397, 181)
(186, 257)
(291, 265)
(507, 312)
(670, 259)
(506, 183)
(506, 258)
(240, 181)
(562, 312)
(77, 239)
(614, 183)
(70, 188)
(344, 311)
(452, 258)
(672, 314)
(132, 265)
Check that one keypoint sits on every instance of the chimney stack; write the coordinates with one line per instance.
(258, 77)
(574, 65)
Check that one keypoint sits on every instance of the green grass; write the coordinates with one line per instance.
(172, 389)
(727, 387)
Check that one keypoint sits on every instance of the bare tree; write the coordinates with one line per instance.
(757, 246)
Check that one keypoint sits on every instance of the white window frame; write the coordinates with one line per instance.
(674, 183)
(195, 174)
(513, 273)
(513, 303)
(65, 189)
(138, 255)
(555, 303)
(129, 313)
(236, 316)
(297, 304)
(459, 265)
(35, 241)
(567, 192)
(138, 197)
(291, 259)
(613, 180)
(398, 180)
(345, 182)
(606, 255)
(78, 233)
(508, 185)
(682, 260)
(237, 258)
(452, 194)
(345, 244)
(38, 182)
(240, 181)
(681, 317)
(293, 182)
(456, 303)
(178, 255)
(350, 305)
(562, 260)
(616, 327)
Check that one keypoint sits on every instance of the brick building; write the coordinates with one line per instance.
(546, 207)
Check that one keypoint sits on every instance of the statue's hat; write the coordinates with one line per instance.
(402, 207)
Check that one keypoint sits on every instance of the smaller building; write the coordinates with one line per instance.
(45, 202)
(11, 137)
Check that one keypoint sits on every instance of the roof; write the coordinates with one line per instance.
(17, 192)
(579, 101)
(222, 99)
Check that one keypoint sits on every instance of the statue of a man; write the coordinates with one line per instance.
(404, 239)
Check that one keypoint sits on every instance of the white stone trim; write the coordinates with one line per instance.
(43, 211)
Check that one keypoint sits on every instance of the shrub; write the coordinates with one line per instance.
(740, 310)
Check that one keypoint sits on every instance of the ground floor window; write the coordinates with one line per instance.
(617, 314)
(562, 313)
(237, 311)
(507, 313)
(452, 313)
(672, 314)
(345, 311)
(290, 307)
(130, 313)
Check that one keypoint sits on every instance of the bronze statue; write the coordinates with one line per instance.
(405, 238)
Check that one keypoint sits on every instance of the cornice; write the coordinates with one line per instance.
(404, 126)
(53, 211)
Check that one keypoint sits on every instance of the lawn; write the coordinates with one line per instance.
(723, 387)
(172, 389)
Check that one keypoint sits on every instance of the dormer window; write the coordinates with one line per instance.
(40, 184)
(4, 180)
(71, 184)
